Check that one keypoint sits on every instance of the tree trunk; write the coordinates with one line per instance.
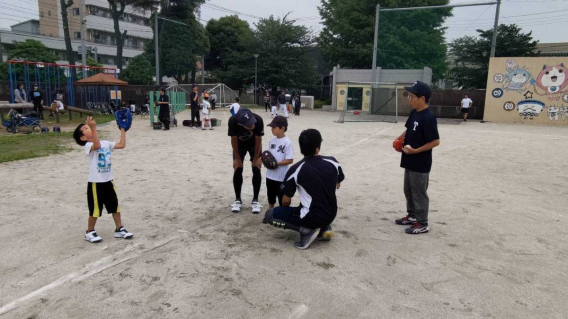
(68, 47)
(120, 37)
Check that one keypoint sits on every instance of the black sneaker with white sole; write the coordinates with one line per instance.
(406, 220)
(307, 237)
(417, 228)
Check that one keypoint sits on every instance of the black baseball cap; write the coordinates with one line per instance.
(245, 117)
(420, 89)
(278, 121)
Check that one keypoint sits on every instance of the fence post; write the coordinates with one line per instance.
(152, 106)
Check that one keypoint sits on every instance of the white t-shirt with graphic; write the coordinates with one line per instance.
(205, 107)
(466, 102)
(281, 149)
(100, 166)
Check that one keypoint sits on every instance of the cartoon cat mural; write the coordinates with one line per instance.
(552, 82)
(517, 79)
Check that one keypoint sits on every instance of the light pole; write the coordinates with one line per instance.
(255, 74)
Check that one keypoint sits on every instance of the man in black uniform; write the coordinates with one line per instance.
(316, 178)
(164, 115)
(420, 137)
(194, 99)
(246, 130)
(37, 100)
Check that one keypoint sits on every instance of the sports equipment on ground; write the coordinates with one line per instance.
(123, 118)
(325, 234)
(157, 125)
(398, 144)
(186, 123)
(236, 206)
(268, 160)
(123, 233)
(45, 129)
(92, 237)
(56, 129)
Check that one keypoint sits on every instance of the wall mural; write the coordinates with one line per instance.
(544, 94)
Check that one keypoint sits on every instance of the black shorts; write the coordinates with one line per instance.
(243, 152)
(465, 111)
(273, 191)
(101, 195)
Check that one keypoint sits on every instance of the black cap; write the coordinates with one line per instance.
(245, 117)
(278, 121)
(420, 89)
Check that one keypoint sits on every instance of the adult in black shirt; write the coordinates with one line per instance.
(194, 100)
(316, 178)
(246, 130)
(164, 115)
(37, 100)
(420, 137)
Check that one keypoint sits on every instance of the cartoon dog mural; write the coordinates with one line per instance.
(553, 113)
(517, 79)
(564, 113)
(553, 80)
(530, 108)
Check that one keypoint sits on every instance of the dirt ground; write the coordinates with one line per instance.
(497, 246)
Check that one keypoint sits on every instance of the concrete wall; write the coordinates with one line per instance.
(527, 90)
(31, 26)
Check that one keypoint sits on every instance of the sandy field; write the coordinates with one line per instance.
(497, 246)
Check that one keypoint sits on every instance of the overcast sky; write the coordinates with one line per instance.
(546, 18)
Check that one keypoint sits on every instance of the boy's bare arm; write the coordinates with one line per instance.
(285, 162)
(95, 136)
(122, 143)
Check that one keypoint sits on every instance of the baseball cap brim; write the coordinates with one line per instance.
(411, 89)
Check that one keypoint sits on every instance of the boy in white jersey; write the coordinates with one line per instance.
(281, 148)
(100, 189)
(206, 110)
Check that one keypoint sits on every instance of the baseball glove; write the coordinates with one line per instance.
(398, 144)
(268, 160)
(123, 118)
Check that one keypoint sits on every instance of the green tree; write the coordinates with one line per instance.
(92, 62)
(32, 50)
(139, 71)
(64, 5)
(179, 45)
(117, 8)
(231, 42)
(472, 53)
(407, 39)
(285, 55)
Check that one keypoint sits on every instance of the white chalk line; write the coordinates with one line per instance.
(88, 271)
(363, 140)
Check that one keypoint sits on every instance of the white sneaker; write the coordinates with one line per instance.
(122, 233)
(195, 128)
(256, 207)
(92, 237)
(236, 206)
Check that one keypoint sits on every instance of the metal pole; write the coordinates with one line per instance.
(96, 55)
(203, 69)
(495, 26)
(255, 75)
(156, 49)
(83, 48)
(376, 42)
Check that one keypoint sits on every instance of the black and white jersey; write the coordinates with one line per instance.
(316, 180)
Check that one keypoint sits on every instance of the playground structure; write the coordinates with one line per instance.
(51, 77)
(225, 96)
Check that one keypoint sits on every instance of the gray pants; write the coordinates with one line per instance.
(416, 192)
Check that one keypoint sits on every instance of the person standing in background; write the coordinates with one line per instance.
(466, 103)
(213, 100)
(37, 100)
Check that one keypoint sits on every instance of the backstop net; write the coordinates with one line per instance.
(368, 102)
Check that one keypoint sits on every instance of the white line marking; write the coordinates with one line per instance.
(88, 271)
(299, 312)
(363, 140)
